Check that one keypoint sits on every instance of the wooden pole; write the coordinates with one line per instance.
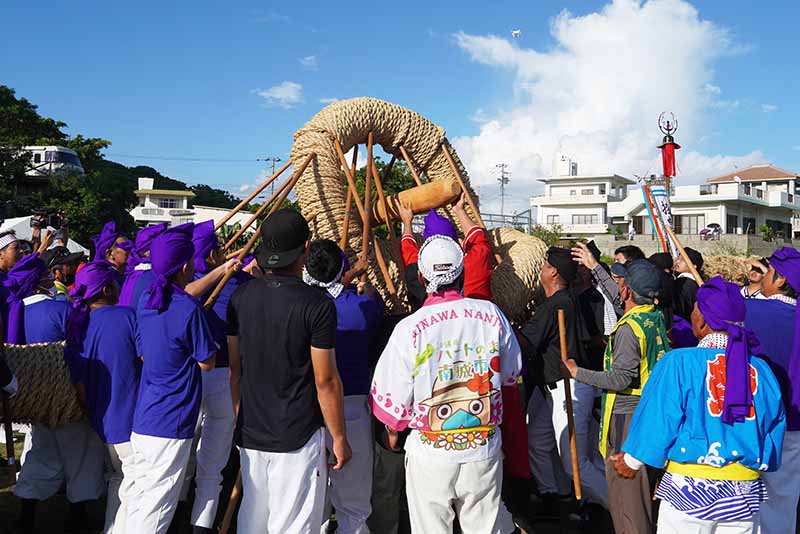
(236, 494)
(250, 197)
(287, 188)
(682, 252)
(410, 164)
(366, 228)
(573, 445)
(381, 196)
(261, 209)
(348, 205)
(457, 174)
(233, 254)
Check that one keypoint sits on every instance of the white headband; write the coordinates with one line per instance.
(334, 287)
(7, 239)
(440, 261)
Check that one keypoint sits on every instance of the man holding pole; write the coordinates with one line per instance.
(634, 346)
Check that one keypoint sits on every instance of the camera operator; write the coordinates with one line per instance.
(55, 220)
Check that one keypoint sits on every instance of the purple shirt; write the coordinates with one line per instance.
(170, 390)
(140, 285)
(110, 369)
(217, 314)
(357, 320)
(45, 319)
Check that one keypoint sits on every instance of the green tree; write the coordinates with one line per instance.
(398, 180)
(550, 234)
(205, 195)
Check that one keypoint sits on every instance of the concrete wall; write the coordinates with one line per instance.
(727, 244)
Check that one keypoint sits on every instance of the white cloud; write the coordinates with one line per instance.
(309, 62)
(328, 100)
(361, 160)
(596, 96)
(269, 18)
(769, 108)
(286, 94)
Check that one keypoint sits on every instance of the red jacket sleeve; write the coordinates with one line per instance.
(478, 263)
(409, 249)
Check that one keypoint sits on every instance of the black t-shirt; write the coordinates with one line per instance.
(278, 319)
(684, 295)
(543, 356)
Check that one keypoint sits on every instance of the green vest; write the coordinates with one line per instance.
(647, 324)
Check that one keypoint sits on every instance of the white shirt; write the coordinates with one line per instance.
(754, 295)
(441, 375)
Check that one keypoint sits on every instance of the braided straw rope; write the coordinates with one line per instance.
(46, 395)
(322, 188)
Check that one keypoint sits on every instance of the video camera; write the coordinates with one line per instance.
(43, 218)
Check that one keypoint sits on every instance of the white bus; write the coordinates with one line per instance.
(49, 160)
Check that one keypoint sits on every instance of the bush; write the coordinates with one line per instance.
(550, 234)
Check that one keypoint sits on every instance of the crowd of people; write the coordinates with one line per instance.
(684, 392)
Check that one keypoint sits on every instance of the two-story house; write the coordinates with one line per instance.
(161, 205)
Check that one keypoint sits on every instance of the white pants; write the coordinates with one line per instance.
(284, 492)
(779, 512)
(546, 466)
(71, 453)
(438, 491)
(350, 488)
(212, 447)
(159, 465)
(590, 463)
(672, 521)
(119, 486)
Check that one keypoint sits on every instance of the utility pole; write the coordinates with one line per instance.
(503, 179)
(274, 160)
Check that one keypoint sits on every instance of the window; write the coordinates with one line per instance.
(602, 189)
(749, 225)
(585, 219)
(52, 156)
(587, 191)
(689, 224)
(168, 203)
(37, 158)
(572, 192)
(552, 219)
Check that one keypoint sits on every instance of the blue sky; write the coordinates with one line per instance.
(182, 79)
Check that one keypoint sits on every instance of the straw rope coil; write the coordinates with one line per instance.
(322, 188)
(731, 268)
(46, 395)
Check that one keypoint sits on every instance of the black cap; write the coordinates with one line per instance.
(641, 276)
(53, 257)
(283, 239)
(695, 256)
(662, 260)
(561, 259)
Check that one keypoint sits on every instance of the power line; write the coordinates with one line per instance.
(177, 158)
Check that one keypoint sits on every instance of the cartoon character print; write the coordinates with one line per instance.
(459, 413)
(715, 383)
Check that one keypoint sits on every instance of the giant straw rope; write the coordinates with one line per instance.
(322, 188)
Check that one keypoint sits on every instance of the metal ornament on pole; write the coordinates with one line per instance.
(503, 179)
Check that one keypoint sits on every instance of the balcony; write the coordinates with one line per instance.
(584, 228)
(569, 200)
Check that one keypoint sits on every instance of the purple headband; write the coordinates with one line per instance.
(21, 281)
(205, 240)
(89, 284)
(106, 239)
(144, 238)
(168, 254)
(723, 309)
(435, 224)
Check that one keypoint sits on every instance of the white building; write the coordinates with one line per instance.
(161, 205)
(205, 213)
(740, 202)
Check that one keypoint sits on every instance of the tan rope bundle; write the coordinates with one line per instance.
(322, 188)
(46, 395)
(731, 268)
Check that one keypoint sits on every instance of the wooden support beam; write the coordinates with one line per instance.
(458, 177)
(432, 195)
(366, 228)
(348, 205)
(261, 209)
(250, 197)
(287, 188)
(381, 196)
(410, 164)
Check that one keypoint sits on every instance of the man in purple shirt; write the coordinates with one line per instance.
(359, 313)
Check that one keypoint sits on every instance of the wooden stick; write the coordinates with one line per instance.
(263, 207)
(384, 268)
(381, 196)
(287, 188)
(366, 228)
(573, 445)
(236, 494)
(408, 161)
(233, 254)
(250, 197)
(682, 252)
(457, 174)
(348, 205)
